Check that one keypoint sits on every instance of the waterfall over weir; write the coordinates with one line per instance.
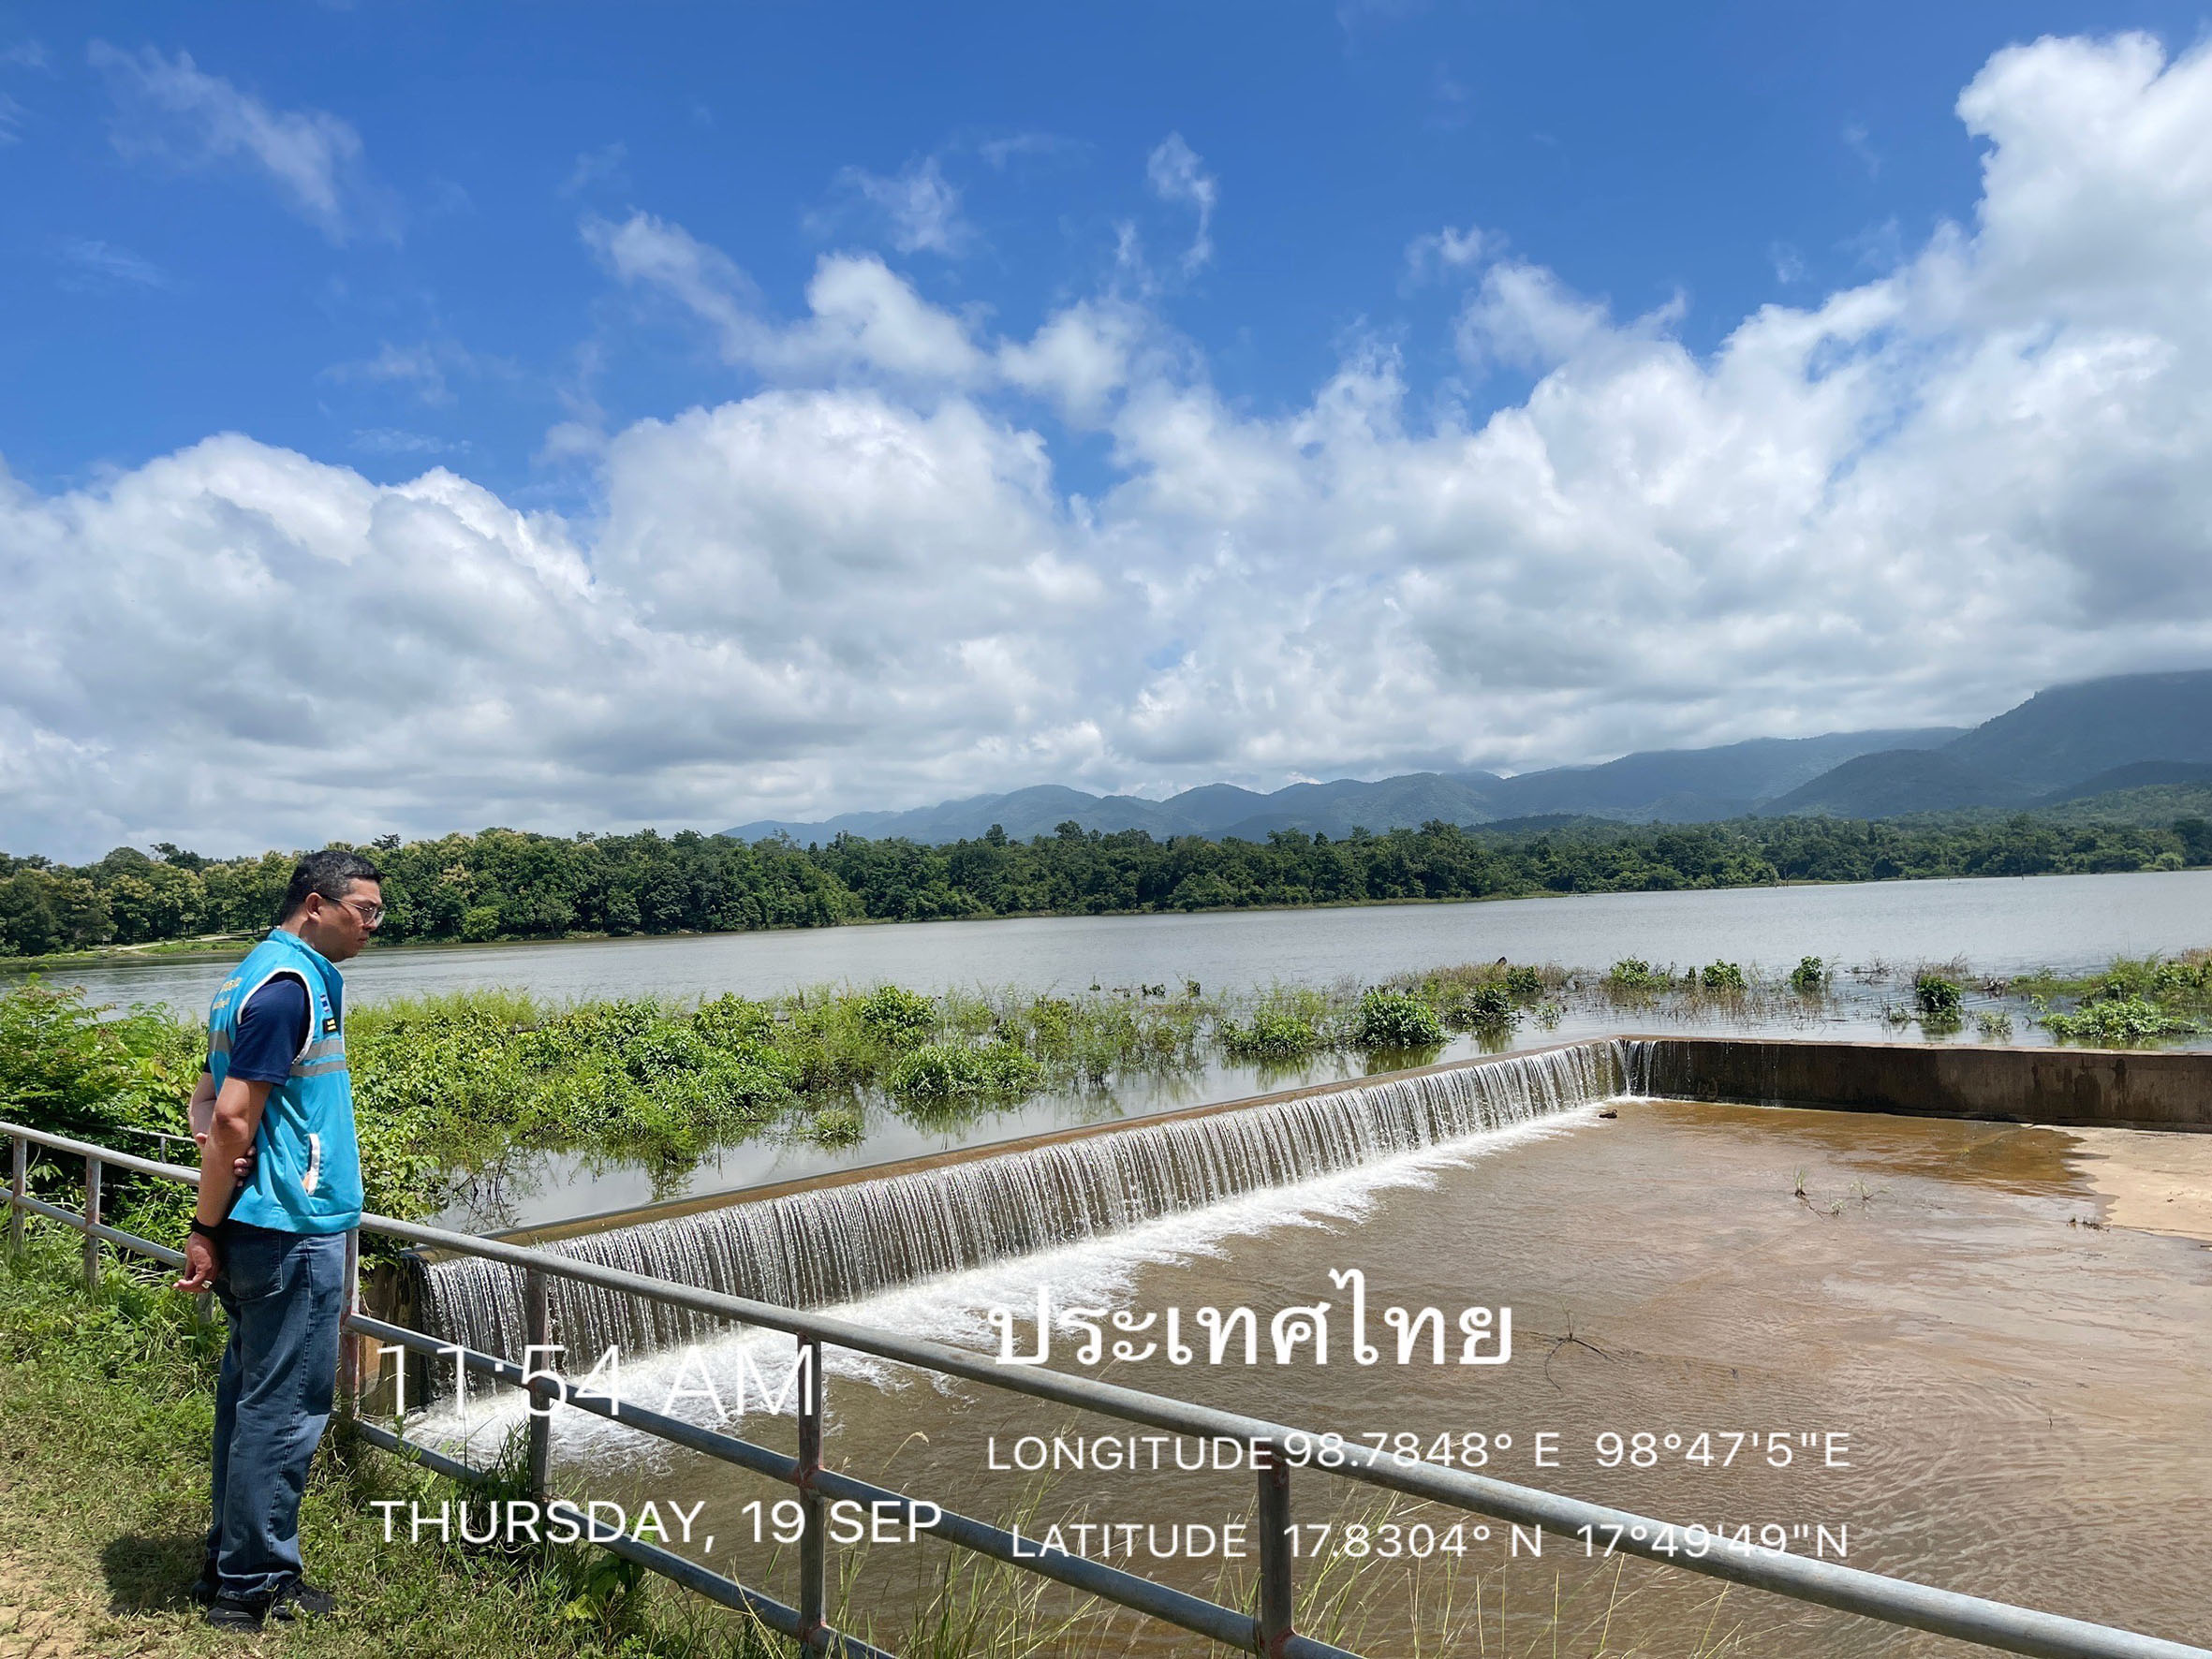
(838, 1243)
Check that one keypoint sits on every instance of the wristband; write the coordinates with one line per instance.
(206, 1231)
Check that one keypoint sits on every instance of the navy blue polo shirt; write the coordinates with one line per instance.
(272, 1030)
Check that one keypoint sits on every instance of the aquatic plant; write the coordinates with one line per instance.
(1271, 1034)
(1524, 982)
(2122, 1023)
(901, 1018)
(1936, 997)
(1486, 1007)
(1723, 976)
(1396, 1019)
(838, 1126)
(1809, 978)
(941, 1070)
(1633, 974)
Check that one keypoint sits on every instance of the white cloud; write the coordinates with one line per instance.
(1984, 469)
(173, 112)
(26, 54)
(607, 165)
(1441, 252)
(1079, 357)
(918, 206)
(425, 367)
(1178, 177)
(387, 440)
(863, 316)
(102, 267)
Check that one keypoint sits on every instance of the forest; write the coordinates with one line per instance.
(510, 884)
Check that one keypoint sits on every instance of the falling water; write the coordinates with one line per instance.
(838, 1243)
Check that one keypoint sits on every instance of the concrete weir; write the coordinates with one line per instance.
(830, 1241)
(2091, 1087)
(2062, 1087)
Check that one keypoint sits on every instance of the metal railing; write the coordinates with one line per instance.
(1267, 1631)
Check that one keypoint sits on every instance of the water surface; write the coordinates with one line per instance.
(2003, 926)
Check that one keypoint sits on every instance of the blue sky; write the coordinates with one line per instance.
(1731, 155)
(1308, 267)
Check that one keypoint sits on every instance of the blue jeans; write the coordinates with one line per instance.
(282, 1294)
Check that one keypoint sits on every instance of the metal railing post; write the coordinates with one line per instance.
(349, 1344)
(1275, 1596)
(813, 1554)
(16, 1185)
(538, 1334)
(92, 1220)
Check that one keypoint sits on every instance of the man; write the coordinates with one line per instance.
(279, 1190)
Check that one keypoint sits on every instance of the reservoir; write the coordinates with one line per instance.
(1999, 925)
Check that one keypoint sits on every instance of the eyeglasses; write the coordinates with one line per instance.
(370, 914)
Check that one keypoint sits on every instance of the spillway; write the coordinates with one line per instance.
(839, 1244)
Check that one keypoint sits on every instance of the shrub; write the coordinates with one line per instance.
(940, 1071)
(1524, 982)
(1486, 1007)
(733, 1024)
(899, 1017)
(1722, 977)
(1396, 1019)
(1273, 1034)
(479, 923)
(1809, 976)
(2116, 1023)
(1634, 974)
(1937, 997)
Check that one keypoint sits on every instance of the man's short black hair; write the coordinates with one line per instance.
(329, 872)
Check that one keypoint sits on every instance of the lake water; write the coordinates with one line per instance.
(2001, 925)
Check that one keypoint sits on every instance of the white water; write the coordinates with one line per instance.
(849, 1243)
(720, 1379)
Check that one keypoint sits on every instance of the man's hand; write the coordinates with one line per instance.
(201, 1263)
(242, 1170)
(201, 1114)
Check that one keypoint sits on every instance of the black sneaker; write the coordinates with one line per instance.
(204, 1589)
(233, 1612)
(296, 1598)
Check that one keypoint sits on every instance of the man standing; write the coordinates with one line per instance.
(279, 1190)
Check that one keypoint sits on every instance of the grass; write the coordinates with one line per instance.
(107, 1405)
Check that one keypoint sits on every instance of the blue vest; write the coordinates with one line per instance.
(308, 1174)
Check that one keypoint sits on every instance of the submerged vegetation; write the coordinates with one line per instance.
(449, 1090)
(505, 884)
(2135, 1002)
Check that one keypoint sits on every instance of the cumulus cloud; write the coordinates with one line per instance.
(864, 580)
(1178, 177)
(173, 112)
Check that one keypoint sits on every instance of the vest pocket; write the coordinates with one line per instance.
(312, 1179)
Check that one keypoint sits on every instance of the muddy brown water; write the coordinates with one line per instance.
(2026, 1397)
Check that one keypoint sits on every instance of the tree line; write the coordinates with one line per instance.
(508, 884)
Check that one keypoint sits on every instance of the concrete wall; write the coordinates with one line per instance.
(2127, 1091)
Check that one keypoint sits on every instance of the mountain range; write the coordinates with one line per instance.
(2067, 744)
